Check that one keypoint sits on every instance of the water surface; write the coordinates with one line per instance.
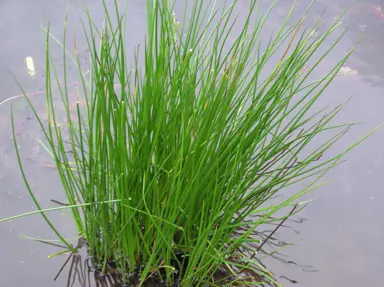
(342, 235)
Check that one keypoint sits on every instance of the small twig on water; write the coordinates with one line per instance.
(59, 203)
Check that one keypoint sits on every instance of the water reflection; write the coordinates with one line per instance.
(367, 18)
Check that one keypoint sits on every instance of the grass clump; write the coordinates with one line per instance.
(171, 174)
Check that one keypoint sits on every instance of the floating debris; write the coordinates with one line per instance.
(30, 66)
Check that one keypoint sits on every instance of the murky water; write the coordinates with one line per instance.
(342, 235)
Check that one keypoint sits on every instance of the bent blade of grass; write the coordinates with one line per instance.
(30, 190)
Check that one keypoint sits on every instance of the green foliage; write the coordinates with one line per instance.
(173, 172)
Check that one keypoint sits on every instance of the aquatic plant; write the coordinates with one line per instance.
(170, 168)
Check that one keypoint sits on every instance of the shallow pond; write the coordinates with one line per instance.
(341, 237)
